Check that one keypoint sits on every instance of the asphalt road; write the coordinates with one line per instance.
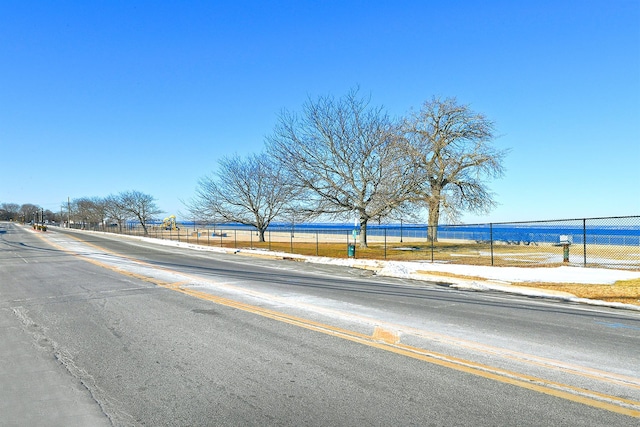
(99, 330)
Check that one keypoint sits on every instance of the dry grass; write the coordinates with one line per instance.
(625, 291)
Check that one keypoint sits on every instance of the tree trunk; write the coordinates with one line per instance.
(261, 232)
(434, 217)
(363, 233)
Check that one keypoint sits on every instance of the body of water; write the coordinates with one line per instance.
(511, 233)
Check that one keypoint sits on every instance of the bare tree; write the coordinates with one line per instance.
(451, 151)
(140, 206)
(342, 154)
(115, 210)
(99, 211)
(88, 211)
(9, 211)
(30, 212)
(247, 190)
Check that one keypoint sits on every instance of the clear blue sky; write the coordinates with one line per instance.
(101, 97)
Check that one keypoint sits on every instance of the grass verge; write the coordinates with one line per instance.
(623, 291)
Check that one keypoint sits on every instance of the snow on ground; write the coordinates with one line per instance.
(505, 279)
(564, 274)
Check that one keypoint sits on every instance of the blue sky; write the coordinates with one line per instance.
(101, 97)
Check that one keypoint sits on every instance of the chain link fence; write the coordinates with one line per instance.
(612, 242)
(603, 242)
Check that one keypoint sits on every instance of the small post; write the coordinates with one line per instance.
(491, 240)
(385, 243)
(432, 239)
(565, 241)
(584, 240)
(351, 249)
(348, 243)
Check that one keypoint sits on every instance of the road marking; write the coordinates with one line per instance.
(389, 341)
(564, 391)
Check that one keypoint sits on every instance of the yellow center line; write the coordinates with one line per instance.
(388, 341)
(575, 394)
(595, 374)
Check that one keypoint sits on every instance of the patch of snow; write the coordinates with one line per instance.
(563, 274)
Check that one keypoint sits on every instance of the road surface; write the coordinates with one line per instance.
(104, 330)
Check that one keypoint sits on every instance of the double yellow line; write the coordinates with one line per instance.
(389, 341)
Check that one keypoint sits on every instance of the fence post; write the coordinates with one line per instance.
(432, 239)
(491, 240)
(584, 240)
(348, 243)
(385, 243)
(235, 238)
(317, 243)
